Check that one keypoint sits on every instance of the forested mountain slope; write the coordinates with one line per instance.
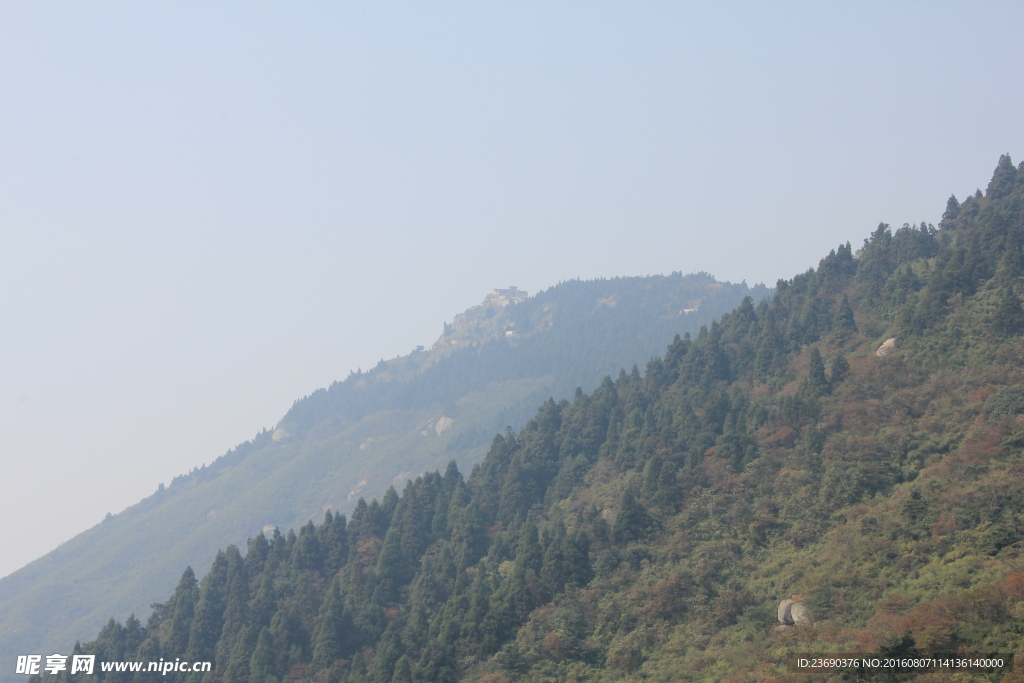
(492, 366)
(649, 529)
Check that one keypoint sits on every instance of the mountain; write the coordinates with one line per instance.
(840, 470)
(490, 368)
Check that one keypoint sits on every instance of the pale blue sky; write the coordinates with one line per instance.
(208, 210)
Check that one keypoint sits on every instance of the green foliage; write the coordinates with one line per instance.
(1008, 402)
(1009, 316)
(361, 432)
(840, 368)
(648, 530)
(817, 383)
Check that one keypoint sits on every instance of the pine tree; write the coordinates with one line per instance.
(334, 637)
(529, 553)
(256, 555)
(239, 660)
(358, 673)
(632, 522)
(553, 571)
(235, 613)
(576, 554)
(390, 568)
(1003, 179)
(839, 368)
(1009, 316)
(261, 665)
(183, 605)
(307, 553)
(844, 326)
(951, 212)
(817, 382)
(206, 626)
(403, 670)
(388, 652)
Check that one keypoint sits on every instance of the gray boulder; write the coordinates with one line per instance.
(793, 613)
(785, 614)
(799, 614)
(887, 347)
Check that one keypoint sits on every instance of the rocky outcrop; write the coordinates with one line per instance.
(887, 347)
(443, 423)
(785, 616)
(792, 612)
(799, 613)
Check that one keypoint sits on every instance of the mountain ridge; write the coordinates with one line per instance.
(773, 485)
(360, 430)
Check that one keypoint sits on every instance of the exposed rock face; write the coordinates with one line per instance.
(799, 614)
(504, 297)
(793, 613)
(484, 322)
(887, 347)
(280, 435)
(443, 424)
(785, 616)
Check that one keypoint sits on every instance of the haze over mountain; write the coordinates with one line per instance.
(208, 209)
(490, 368)
(837, 470)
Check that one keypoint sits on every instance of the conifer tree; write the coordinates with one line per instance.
(334, 637)
(206, 626)
(1003, 179)
(576, 554)
(240, 657)
(390, 568)
(307, 553)
(183, 604)
(358, 672)
(632, 522)
(839, 369)
(844, 325)
(261, 664)
(263, 604)
(1009, 315)
(256, 554)
(388, 653)
(666, 496)
(529, 554)
(553, 570)
(403, 670)
(149, 651)
(817, 382)
(236, 610)
(951, 212)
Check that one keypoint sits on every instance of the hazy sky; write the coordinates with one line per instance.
(208, 210)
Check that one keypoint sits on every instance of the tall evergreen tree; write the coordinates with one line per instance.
(817, 382)
(209, 619)
(844, 325)
(261, 665)
(632, 522)
(334, 637)
(1009, 315)
(182, 611)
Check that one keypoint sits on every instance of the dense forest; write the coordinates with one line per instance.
(855, 445)
(577, 331)
(492, 366)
